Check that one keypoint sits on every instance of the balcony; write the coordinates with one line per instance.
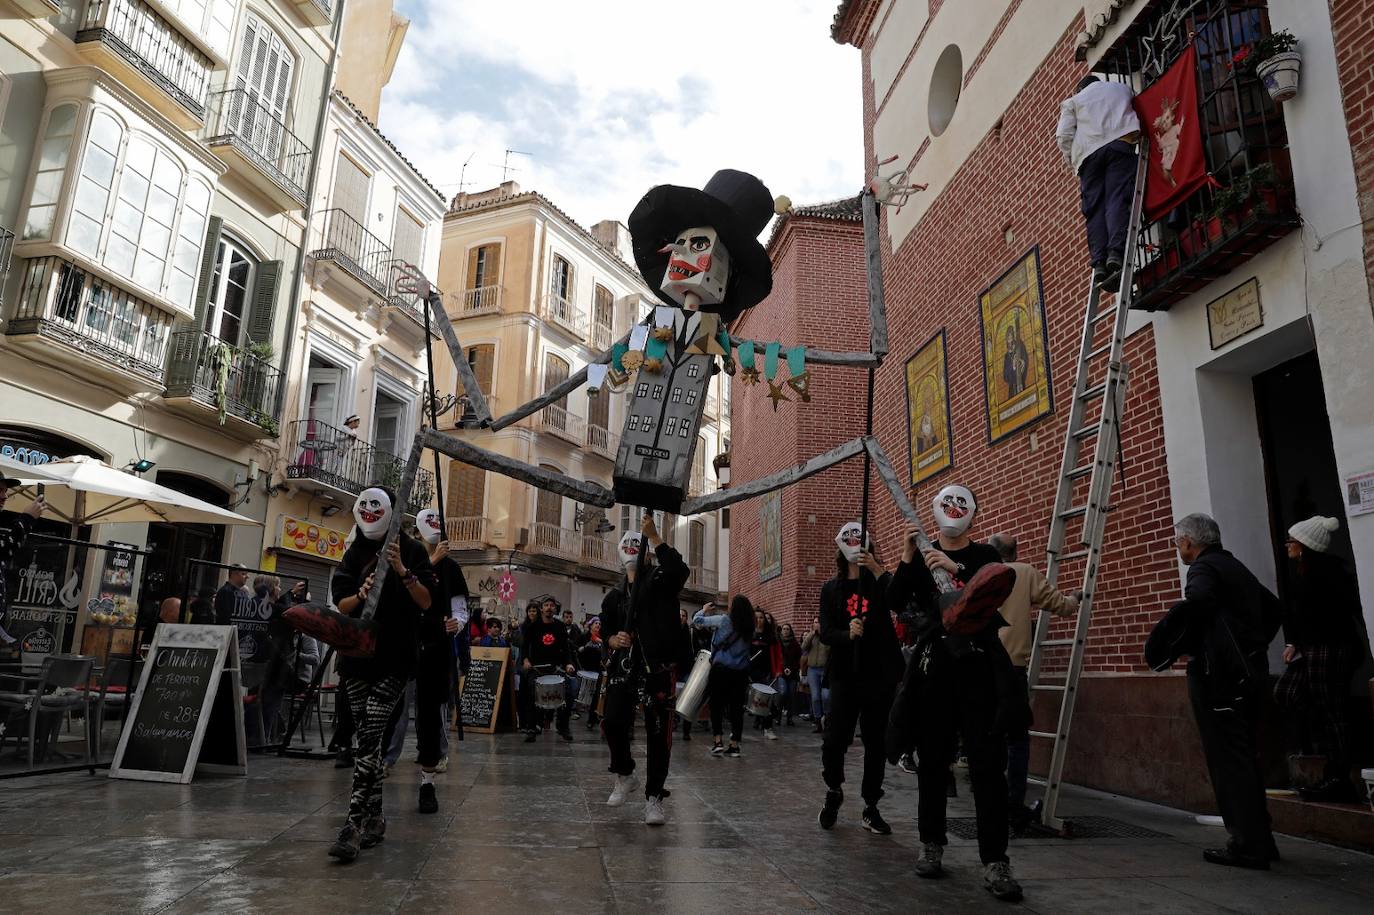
(562, 313)
(601, 553)
(316, 12)
(322, 458)
(245, 134)
(208, 378)
(465, 418)
(135, 43)
(356, 251)
(702, 578)
(408, 307)
(559, 542)
(83, 323)
(603, 335)
(466, 533)
(603, 442)
(696, 485)
(483, 300)
(558, 421)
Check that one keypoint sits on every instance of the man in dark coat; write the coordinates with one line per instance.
(1226, 620)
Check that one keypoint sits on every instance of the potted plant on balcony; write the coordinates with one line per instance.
(1275, 61)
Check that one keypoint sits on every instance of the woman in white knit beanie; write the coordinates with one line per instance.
(1325, 644)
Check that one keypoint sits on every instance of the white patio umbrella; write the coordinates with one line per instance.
(11, 469)
(83, 490)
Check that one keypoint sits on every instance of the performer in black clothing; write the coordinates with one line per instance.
(865, 667)
(434, 669)
(548, 650)
(373, 684)
(645, 638)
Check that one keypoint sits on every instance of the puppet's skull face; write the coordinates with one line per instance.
(427, 523)
(629, 548)
(697, 263)
(954, 507)
(372, 511)
(850, 541)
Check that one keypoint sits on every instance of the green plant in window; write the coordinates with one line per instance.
(221, 358)
(260, 350)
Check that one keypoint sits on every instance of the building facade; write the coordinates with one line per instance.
(1244, 399)
(534, 296)
(154, 215)
(787, 538)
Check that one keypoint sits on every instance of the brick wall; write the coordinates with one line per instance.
(819, 299)
(1352, 24)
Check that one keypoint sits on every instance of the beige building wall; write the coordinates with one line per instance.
(373, 33)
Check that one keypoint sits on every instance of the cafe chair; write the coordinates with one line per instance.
(61, 688)
(119, 678)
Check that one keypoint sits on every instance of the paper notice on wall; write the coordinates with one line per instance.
(1359, 493)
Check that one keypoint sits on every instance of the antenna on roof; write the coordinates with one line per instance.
(507, 168)
(462, 173)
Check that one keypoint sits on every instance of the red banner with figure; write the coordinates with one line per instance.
(1168, 116)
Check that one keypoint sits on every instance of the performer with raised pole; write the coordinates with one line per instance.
(643, 629)
(434, 668)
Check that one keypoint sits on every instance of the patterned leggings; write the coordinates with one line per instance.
(371, 705)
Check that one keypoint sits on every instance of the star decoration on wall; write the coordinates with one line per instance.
(802, 385)
(749, 376)
(776, 394)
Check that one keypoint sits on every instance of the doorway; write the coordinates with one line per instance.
(1299, 459)
(170, 546)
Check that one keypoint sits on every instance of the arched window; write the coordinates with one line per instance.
(264, 79)
(93, 188)
(548, 510)
(226, 306)
(556, 370)
(181, 282)
(141, 230)
(52, 167)
(561, 278)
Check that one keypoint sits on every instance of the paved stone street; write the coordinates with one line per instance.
(524, 828)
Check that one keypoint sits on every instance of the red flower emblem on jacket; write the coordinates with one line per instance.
(548, 638)
(857, 606)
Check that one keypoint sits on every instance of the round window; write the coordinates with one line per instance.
(945, 84)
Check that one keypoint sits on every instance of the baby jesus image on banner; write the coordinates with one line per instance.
(927, 404)
(1168, 111)
(1015, 357)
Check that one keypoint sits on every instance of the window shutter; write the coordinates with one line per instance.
(483, 364)
(264, 301)
(207, 268)
(473, 279)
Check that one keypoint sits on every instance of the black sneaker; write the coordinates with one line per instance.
(529, 736)
(1231, 857)
(374, 831)
(429, 801)
(732, 751)
(998, 881)
(343, 759)
(346, 846)
(717, 749)
(873, 821)
(931, 862)
(907, 764)
(831, 811)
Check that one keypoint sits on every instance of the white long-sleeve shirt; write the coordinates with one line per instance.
(1094, 117)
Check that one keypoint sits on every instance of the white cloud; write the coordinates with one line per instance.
(615, 96)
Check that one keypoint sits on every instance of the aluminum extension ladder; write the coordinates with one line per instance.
(1083, 497)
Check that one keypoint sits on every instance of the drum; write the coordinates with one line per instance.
(761, 699)
(586, 687)
(548, 691)
(692, 693)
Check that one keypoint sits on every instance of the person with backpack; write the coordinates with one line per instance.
(729, 679)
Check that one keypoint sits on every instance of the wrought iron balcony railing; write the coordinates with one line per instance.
(60, 302)
(151, 45)
(565, 314)
(483, 300)
(466, 533)
(553, 540)
(231, 380)
(563, 423)
(600, 552)
(602, 441)
(347, 243)
(602, 336)
(702, 578)
(340, 460)
(237, 117)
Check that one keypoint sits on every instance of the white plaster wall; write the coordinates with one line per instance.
(896, 35)
(1315, 275)
(903, 125)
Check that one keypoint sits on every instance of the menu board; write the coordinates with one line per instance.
(484, 688)
(188, 699)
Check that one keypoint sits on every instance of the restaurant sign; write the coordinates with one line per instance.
(310, 539)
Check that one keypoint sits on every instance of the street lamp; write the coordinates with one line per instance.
(584, 516)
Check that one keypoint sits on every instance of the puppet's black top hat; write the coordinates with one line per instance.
(736, 205)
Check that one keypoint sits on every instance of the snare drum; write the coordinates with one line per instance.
(548, 691)
(691, 693)
(761, 698)
(586, 687)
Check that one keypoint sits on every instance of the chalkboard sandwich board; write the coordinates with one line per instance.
(487, 683)
(188, 713)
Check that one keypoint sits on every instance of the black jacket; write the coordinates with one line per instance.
(548, 644)
(657, 625)
(1226, 620)
(878, 655)
(398, 616)
(1325, 606)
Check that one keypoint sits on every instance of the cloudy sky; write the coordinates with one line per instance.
(611, 97)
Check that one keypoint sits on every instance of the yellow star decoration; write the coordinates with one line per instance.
(775, 394)
(802, 385)
(632, 360)
(748, 376)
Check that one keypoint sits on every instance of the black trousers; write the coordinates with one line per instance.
(433, 689)
(726, 689)
(866, 704)
(958, 699)
(622, 698)
(1231, 746)
(1106, 180)
(531, 714)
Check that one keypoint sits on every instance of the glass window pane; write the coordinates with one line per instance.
(148, 271)
(140, 158)
(167, 174)
(106, 132)
(127, 221)
(192, 228)
(62, 122)
(39, 222)
(185, 257)
(46, 186)
(197, 197)
(54, 153)
(91, 198)
(99, 166)
(83, 235)
(156, 239)
(133, 189)
(180, 287)
(162, 206)
(119, 255)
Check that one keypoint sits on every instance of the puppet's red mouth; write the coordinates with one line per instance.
(679, 269)
(369, 516)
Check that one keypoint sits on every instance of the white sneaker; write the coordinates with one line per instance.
(442, 766)
(768, 733)
(624, 784)
(653, 812)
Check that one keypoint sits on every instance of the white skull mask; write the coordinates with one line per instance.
(629, 548)
(427, 523)
(372, 511)
(849, 539)
(697, 263)
(954, 507)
